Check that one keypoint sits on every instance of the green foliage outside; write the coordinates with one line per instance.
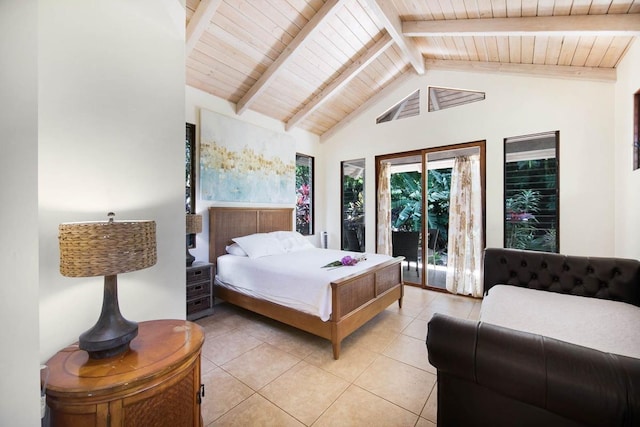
(531, 205)
(406, 201)
(353, 201)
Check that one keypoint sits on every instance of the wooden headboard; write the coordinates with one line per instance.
(227, 223)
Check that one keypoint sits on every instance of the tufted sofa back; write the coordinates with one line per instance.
(615, 279)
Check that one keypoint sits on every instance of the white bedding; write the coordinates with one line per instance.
(605, 325)
(294, 279)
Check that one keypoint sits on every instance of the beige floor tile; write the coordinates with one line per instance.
(353, 361)
(299, 343)
(373, 339)
(206, 365)
(411, 351)
(388, 321)
(424, 423)
(358, 407)
(256, 411)
(416, 329)
(397, 382)
(222, 393)
(260, 365)
(262, 329)
(430, 410)
(475, 311)
(225, 347)
(305, 391)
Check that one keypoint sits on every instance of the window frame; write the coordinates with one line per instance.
(636, 130)
(343, 218)
(506, 141)
(311, 195)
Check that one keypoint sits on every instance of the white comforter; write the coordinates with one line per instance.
(294, 279)
(605, 325)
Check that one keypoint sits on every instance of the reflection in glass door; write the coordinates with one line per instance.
(405, 186)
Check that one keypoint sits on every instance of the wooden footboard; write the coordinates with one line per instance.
(355, 299)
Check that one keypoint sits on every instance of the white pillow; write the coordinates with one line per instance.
(292, 241)
(259, 245)
(235, 249)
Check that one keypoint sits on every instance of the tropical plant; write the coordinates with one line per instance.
(520, 228)
(303, 200)
(406, 201)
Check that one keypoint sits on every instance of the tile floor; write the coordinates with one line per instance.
(260, 372)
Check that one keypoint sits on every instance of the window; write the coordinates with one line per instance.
(408, 107)
(636, 130)
(304, 194)
(531, 192)
(352, 183)
(442, 97)
(190, 169)
(190, 177)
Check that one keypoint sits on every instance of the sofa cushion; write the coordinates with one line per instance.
(608, 326)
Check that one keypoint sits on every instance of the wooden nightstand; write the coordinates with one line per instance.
(155, 383)
(199, 290)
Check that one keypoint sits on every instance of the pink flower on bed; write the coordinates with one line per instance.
(346, 261)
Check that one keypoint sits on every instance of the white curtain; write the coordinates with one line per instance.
(464, 254)
(384, 210)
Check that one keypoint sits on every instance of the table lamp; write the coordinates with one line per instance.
(194, 226)
(89, 249)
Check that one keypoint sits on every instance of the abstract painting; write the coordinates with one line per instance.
(242, 162)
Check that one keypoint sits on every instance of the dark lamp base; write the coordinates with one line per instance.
(111, 335)
(190, 258)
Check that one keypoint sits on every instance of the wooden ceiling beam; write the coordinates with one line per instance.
(534, 70)
(199, 22)
(329, 9)
(607, 25)
(388, 17)
(345, 77)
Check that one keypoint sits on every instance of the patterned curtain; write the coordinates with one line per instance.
(384, 210)
(465, 228)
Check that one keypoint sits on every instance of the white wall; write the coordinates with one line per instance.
(306, 143)
(19, 364)
(627, 181)
(515, 105)
(111, 138)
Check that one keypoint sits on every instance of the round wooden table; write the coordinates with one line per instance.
(155, 383)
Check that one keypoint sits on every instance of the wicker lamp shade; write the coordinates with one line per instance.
(90, 249)
(194, 223)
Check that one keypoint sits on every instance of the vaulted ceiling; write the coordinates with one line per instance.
(316, 64)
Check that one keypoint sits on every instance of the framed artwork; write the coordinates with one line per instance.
(241, 162)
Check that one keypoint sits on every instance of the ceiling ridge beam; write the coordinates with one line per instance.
(199, 22)
(533, 70)
(391, 22)
(345, 77)
(329, 9)
(404, 76)
(610, 25)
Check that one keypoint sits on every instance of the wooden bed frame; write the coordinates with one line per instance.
(355, 299)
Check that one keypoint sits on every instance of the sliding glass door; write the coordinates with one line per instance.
(419, 220)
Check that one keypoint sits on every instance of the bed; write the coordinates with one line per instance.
(355, 298)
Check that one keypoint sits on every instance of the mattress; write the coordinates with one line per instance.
(294, 279)
(604, 325)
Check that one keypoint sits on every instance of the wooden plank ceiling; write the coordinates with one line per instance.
(316, 64)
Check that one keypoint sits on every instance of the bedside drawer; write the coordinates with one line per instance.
(199, 273)
(197, 305)
(198, 289)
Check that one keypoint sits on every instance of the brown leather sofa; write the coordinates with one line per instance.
(494, 376)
